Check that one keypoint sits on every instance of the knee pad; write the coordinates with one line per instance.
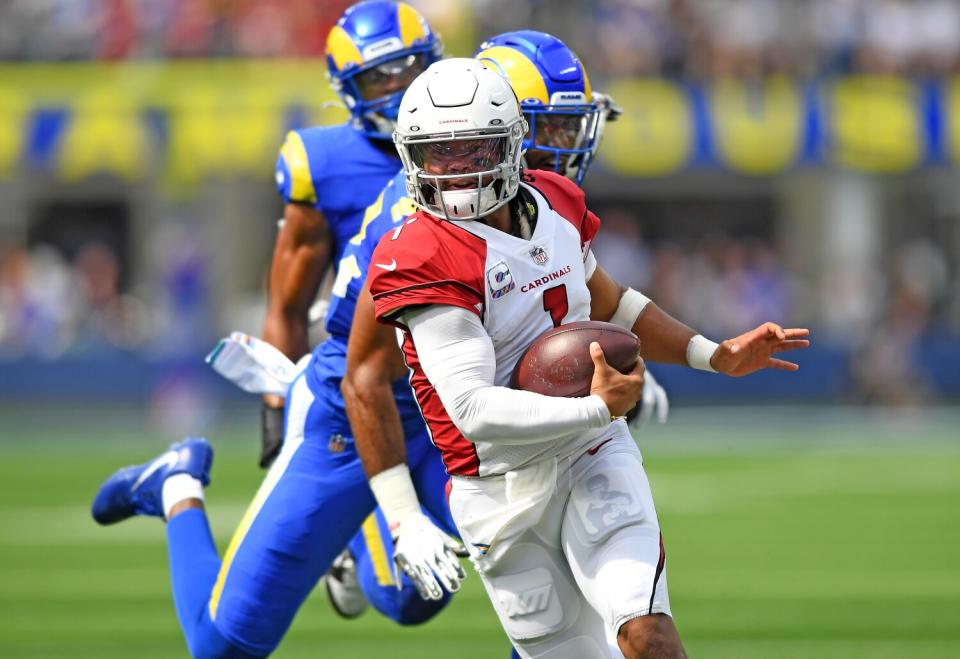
(533, 597)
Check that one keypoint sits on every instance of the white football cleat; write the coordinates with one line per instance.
(343, 588)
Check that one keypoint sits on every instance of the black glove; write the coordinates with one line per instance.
(271, 434)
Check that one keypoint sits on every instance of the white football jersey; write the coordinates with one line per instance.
(519, 288)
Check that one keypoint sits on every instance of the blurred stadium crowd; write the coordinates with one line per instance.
(82, 295)
(683, 38)
(52, 305)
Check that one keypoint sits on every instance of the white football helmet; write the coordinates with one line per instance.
(460, 133)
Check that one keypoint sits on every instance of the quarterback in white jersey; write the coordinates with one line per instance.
(549, 493)
(517, 289)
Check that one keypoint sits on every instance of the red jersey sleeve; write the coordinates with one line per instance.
(426, 261)
(568, 200)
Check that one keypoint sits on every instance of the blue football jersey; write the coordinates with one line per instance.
(336, 170)
(329, 361)
(383, 215)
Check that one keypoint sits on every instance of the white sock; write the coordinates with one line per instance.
(177, 488)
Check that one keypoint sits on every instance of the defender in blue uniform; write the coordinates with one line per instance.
(327, 176)
(315, 496)
(372, 547)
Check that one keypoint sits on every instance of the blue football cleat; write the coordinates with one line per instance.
(137, 490)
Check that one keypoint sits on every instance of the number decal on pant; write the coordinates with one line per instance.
(555, 303)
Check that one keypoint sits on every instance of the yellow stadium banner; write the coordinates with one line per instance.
(757, 125)
(876, 124)
(181, 123)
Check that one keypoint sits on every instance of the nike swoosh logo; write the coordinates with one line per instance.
(168, 459)
(389, 267)
(593, 451)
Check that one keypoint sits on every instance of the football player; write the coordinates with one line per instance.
(314, 497)
(525, 57)
(327, 176)
(565, 123)
(461, 279)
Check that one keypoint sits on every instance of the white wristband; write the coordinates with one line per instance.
(393, 489)
(631, 304)
(699, 351)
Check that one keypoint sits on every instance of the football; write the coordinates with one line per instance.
(558, 363)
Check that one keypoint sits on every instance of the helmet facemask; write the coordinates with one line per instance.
(562, 139)
(463, 175)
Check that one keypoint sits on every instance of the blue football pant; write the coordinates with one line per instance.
(309, 507)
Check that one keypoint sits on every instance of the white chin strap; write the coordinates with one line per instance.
(467, 204)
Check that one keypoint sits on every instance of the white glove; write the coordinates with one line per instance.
(653, 398)
(421, 550)
(426, 554)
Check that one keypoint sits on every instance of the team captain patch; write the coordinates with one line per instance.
(500, 280)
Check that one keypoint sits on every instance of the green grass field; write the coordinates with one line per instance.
(790, 533)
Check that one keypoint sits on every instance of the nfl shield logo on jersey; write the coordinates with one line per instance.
(500, 280)
(539, 255)
(337, 443)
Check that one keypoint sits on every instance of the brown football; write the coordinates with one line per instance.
(558, 363)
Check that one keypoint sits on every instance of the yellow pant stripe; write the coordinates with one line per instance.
(237, 538)
(301, 394)
(378, 552)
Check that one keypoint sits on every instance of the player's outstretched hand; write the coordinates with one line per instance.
(426, 554)
(620, 392)
(755, 350)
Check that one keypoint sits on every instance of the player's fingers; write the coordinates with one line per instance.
(639, 368)
(756, 334)
(402, 566)
(446, 564)
(455, 574)
(782, 364)
(596, 354)
(447, 579)
(454, 559)
(772, 329)
(796, 332)
(663, 404)
(421, 576)
(648, 401)
(794, 344)
(456, 547)
(429, 581)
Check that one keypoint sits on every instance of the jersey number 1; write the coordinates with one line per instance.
(555, 303)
